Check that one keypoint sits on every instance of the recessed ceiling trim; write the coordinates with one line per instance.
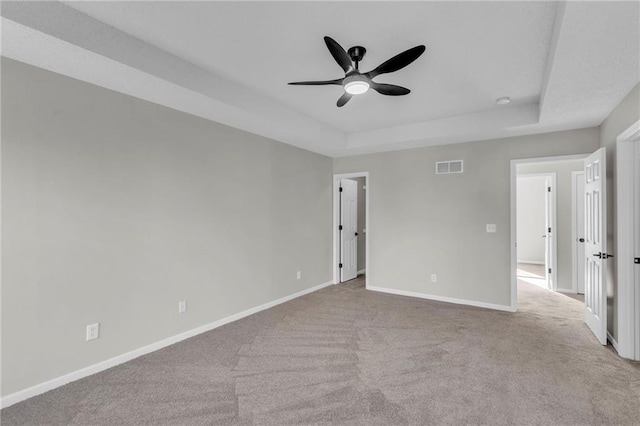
(459, 129)
(591, 64)
(115, 60)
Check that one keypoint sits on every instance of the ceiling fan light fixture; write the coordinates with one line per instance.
(357, 83)
(356, 87)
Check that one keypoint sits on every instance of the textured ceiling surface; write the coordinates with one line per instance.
(564, 65)
(476, 52)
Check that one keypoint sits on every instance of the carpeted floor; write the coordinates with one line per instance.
(344, 355)
(534, 274)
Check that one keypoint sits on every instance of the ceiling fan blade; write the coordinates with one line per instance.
(389, 89)
(339, 54)
(344, 99)
(398, 62)
(317, 83)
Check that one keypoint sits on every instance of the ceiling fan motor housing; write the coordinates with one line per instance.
(356, 53)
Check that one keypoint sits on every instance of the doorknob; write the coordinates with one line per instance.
(581, 240)
(598, 255)
(544, 236)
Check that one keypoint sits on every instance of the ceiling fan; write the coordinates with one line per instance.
(355, 82)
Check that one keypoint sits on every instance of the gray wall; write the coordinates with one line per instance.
(362, 206)
(624, 115)
(564, 216)
(531, 219)
(114, 209)
(423, 223)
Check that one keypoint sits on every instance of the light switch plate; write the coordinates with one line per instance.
(492, 227)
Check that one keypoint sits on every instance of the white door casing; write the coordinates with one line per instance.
(349, 230)
(595, 245)
(578, 234)
(628, 242)
(636, 254)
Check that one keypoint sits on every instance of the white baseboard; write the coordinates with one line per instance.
(361, 271)
(534, 262)
(443, 299)
(566, 290)
(613, 341)
(112, 362)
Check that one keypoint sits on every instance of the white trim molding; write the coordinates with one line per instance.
(532, 262)
(112, 362)
(362, 271)
(566, 290)
(628, 286)
(613, 342)
(445, 299)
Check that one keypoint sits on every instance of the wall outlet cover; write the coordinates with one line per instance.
(298, 275)
(492, 227)
(182, 306)
(434, 278)
(93, 331)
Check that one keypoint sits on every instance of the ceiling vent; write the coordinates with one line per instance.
(446, 167)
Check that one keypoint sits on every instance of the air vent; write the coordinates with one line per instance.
(445, 167)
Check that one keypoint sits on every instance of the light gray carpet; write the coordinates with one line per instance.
(344, 355)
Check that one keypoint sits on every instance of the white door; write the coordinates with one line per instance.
(579, 226)
(595, 245)
(548, 233)
(348, 229)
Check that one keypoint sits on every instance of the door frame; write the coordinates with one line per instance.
(336, 222)
(628, 287)
(550, 179)
(514, 224)
(577, 262)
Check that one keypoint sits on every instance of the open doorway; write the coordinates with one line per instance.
(351, 216)
(594, 260)
(549, 225)
(537, 243)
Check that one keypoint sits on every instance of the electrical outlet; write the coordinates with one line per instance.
(434, 278)
(182, 306)
(491, 228)
(93, 331)
(299, 275)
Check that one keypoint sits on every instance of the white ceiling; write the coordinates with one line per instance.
(564, 65)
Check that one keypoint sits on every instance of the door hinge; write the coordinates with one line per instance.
(340, 265)
(636, 260)
(340, 189)
(549, 270)
(549, 229)
(339, 227)
(548, 189)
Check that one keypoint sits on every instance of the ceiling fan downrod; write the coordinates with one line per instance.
(356, 53)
